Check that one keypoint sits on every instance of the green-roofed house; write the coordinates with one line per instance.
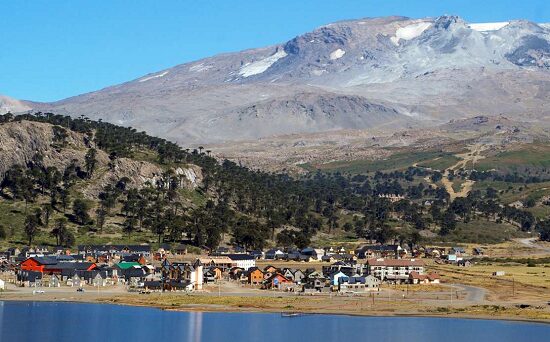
(128, 270)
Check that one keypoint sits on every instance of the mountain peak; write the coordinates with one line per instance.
(447, 22)
(371, 73)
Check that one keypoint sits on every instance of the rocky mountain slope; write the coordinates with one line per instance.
(21, 141)
(377, 74)
(7, 104)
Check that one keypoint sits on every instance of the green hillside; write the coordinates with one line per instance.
(94, 182)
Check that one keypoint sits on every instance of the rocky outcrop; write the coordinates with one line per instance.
(21, 141)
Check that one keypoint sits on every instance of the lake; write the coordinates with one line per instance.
(49, 321)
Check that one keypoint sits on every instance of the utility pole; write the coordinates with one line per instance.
(451, 295)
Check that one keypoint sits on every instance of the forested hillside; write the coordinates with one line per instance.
(84, 181)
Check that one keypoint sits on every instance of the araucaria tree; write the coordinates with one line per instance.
(90, 162)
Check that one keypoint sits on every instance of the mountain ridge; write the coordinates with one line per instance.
(424, 71)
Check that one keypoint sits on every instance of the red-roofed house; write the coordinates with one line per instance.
(416, 278)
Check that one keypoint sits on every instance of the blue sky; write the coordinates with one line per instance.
(54, 49)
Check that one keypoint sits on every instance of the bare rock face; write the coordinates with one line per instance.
(360, 74)
(21, 141)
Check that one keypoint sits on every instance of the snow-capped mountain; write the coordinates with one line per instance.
(381, 73)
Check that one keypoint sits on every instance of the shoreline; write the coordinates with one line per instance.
(215, 308)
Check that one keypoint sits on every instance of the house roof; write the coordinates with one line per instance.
(126, 265)
(277, 275)
(46, 260)
(67, 265)
(430, 276)
(395, 262)
(216, 260)
(237, 257)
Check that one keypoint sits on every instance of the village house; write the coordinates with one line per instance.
(395, 270)
(180, 249)
(348, 268)
(294, 275)
(314, 254)
(464, 263)
(316, 285)
(458, 251)
(379, 251)
(181, 276)
(131, 271)
(274, 254)
(54, 264)
(432, 253)
(255, 276)
(352, 284)
(276, 281)
(243, 261)
(209, 276)
(74, 281)
(337, 277)
(478, 251)
(222, 262)
(417, 278)
(29, 278)
(270, 269)
(257, 254)
(392, 197)
(235, 273)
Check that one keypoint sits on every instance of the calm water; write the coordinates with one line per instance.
(28, 321)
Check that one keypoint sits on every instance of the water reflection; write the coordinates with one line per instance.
(194, 331)
(25, 321)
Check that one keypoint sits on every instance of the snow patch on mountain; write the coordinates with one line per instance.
(485, 27)
(336, 54)
(154, 76)
(260, 66)
(410, 31)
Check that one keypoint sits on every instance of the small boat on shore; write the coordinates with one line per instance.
(290, 314)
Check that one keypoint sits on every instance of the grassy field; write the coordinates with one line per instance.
(401, 159)
(519, 282)
(12, 218)
(482, 231)
(535, 155)
(441, 163)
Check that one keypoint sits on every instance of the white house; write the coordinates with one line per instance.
(394, 269)
(196, 276)
(243, 261)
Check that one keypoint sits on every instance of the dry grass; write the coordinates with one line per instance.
(520, 283)
(330, 305)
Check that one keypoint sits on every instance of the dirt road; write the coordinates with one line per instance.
(532, 243)
(469, 157)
